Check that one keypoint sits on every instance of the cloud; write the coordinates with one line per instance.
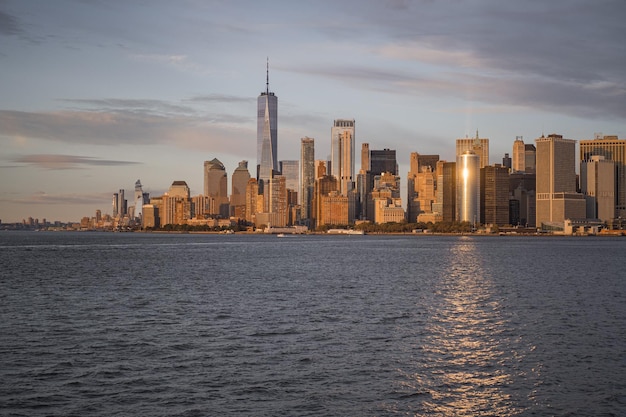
(51, 161)
(215, 133)
(9, 25)
(43, 198)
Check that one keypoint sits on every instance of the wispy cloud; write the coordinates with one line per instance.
(52, 161)
(9, 25)
(43, 198)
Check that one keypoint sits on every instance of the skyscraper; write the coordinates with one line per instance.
(342, 154)
(557, 199)
(480, 146)
(519, 155)
(267, 133)
(383, 161)
(468, 187)
(291, 171)
(239, 183)
(494, 195)
(597, 184)
(216, 187)
(530, 158)
(613, 149)
(307, 175)
(139, 200)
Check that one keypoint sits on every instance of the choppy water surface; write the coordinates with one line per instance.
(194, 325)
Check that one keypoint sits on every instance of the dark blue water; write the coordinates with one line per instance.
(235, 325)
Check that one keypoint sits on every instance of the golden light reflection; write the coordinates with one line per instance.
(465, 368)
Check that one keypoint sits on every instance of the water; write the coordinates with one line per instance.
(239, 325)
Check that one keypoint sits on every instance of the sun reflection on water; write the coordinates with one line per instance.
(464, 366)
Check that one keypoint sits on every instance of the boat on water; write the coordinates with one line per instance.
(280, 235)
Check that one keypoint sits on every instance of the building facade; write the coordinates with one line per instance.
(597, 184)
(612, 149)
(480, 146)
(557, 198)
(307, 175)
(342, 154)
(216, 187)
(468, 187)
(239, 182)
(267, 133)
(494, 195)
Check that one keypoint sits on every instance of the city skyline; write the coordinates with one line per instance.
(89, 106)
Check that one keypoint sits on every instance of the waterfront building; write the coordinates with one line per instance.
(267, 133)
(445, 204)
(239, 182)
(494, 195)
(252, 195)
(334, 209)
(150, 216)
(176, 204)
(468, 187)
(612, 149)
(342, 154)
(557, 198)
(480, 146)
(421, 185)
(388, 210)
(278, 200)
(522, 199)
(324, 185)
(307, 175)
(216, 187)
(597, 184)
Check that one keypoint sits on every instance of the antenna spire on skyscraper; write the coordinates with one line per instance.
(267, 76)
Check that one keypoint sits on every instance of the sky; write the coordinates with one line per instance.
(96, 94)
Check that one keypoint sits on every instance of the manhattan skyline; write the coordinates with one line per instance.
(94, 96)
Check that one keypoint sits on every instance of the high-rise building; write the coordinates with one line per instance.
(267, 133)
(342, 154)
(383, 161)
(291, 171)
(597, 184)
(324, 185)
(557, 199)
(480, 146)
(239, 182)
(176, 204)
(365, 157)
(613, 149)
(115, 204)
(530, 158)
(307, 175)
(139, 199)
(494, 195)
(421, 185)
(468, 187)
(445, 204)
(519, 155)
(252, 195)
(522, 199)
(506, 161)
(216, 187)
